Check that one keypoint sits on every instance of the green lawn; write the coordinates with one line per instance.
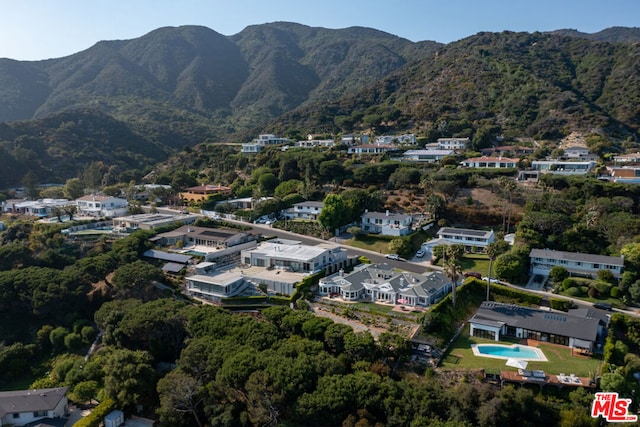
(372, 243)
(560, 360)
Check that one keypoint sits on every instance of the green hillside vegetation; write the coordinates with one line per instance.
(177, 87)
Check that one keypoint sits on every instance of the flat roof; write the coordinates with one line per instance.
(465, 232)
(292, 252)
(167, 256)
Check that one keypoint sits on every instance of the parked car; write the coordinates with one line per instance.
(420, 253)
(394, 257)
(603, 306)
(493, 280)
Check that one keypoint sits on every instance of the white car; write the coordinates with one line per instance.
(394, 257)
(420, 253)
(493, 280)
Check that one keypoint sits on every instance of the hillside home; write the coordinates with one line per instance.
(202, 192)
(472, 240)
(203, 237)
(625, 174)
(578, 264)
(102, 206)
(42, 208)
(368, 149)
(381, 283)
(350, 139)
(386, 223)
(495, 320)
(490, 162)
(428, 156)
(21, 407)
(214, 288)
(241, 203)
(304, 210)
(453, 143)
(150, 221)
(395, 139)
(576, 152)
(262, 141)
(562, 167)
(311, 143)
(627, 158)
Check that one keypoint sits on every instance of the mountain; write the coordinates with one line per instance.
(489, 84)
(176, 87)
(612, 35)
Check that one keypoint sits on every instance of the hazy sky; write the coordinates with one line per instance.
(41, 29)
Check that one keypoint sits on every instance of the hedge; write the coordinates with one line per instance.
(95, 418)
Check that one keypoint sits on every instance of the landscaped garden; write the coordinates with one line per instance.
(560, 359)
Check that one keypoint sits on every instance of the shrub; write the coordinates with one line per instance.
(615, 292)
(574, 292)
(97, 414)
(568, 283)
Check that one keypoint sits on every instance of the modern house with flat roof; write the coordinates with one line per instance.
(41, 208)
(495, 320)
(262, 141)
(453, 143)
(428, 156)
(102, 206)
(150, 221)
(576, 263)
(381, 283)
(218, 286)
(490, 162)
(472, 240)
(562, 167)
(21, 407)
(371, 149)
(294, 256)
(386, 223)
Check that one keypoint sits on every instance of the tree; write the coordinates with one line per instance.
(179, 393)
(452, 267)
(31, 184)
(334, 212)
(85, 391)
(558, 273)
(129, 376)
(73, 188)
(400, 246)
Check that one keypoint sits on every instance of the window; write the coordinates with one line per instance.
(39, 413)
(16, 415)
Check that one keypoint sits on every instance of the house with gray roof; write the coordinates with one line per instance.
(21, 407)
(381, 283)
(472, 240)
(496, 320)
(576, 263)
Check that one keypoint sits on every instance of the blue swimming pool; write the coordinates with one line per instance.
(514, 351)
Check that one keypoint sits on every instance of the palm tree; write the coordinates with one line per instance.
(492, 251)
(452, 267)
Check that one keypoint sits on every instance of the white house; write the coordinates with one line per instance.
(293, 256)
(543, 260)
(304, 210)
(150, 221)
(311, 143)
(350, 139)
(102, 206)
(386, 223)
(472, 240)
(576, 152)
(262, 141)
(371, 149)
(381, 283)
(453, 143)
(408, 138)
(216, 287)
(41, 208)
(490, 162)
(21, 407)
(627, 158)
(563, 167)
(429, 156)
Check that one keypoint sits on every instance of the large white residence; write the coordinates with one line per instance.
(102, 206)
(371, 149)
(386, 223)
(40, 208)
(490, 162)
(472, 240)
(304, 210)
(21, 407)
(380, 283)
(150, 221)
(215, 287)
(290, 255)
(428, 156)
(543, 260)
(453, 143)
(562, 167)
(263, 140)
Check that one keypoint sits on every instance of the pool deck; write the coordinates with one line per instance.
(556, 380)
